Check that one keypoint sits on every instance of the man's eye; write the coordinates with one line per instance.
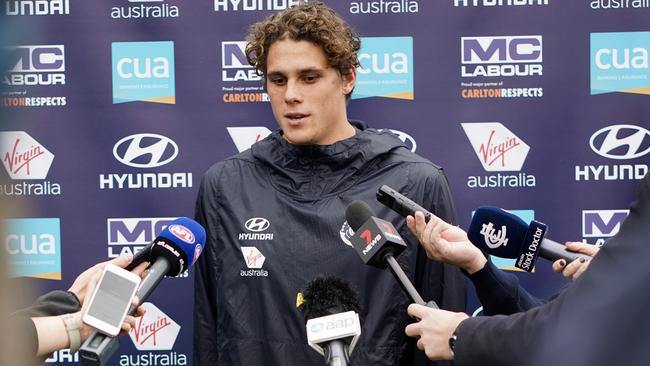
(277, 81)
(311, 78)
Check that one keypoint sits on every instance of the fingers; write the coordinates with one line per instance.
(579, 247)
(558, 265)
(418, 311)
(413, 330)
(121, 261)
(129, 323)
(572, 269)
(140, 269)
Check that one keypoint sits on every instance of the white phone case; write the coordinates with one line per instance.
(101, 324)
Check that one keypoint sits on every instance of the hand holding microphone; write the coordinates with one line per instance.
(175, 249)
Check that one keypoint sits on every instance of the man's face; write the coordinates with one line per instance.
(307, 95)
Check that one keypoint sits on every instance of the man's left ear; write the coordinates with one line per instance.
(349, 80)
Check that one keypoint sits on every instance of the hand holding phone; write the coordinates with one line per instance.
(111, 300)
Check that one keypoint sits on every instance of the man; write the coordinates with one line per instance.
(293, 188)
(599, 320)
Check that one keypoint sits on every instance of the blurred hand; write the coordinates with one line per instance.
(80, 285)
(85, 283)
(575, 269)
(434, 329)
(446, 243)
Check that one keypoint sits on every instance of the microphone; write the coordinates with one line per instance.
(176, 248)
(501, 233)
(330, 308)
(378, 243)
(400, 203)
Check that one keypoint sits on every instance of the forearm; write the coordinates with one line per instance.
(51, 334)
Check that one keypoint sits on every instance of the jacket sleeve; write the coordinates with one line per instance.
(500, 293)
(205, 350)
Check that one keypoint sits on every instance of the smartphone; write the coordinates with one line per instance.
(111, 300)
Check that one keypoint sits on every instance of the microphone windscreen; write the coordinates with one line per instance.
(328, 295)
(357, 213)
(497, 232)
(185, 235)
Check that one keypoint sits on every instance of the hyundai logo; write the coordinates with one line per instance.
(145, 150)
(621, 142)
(257, 224)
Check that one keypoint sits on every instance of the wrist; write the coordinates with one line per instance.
(476, 264)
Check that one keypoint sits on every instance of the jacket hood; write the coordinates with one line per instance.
(314, 171)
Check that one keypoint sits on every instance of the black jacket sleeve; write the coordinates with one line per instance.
(599, 320)
(500, 293)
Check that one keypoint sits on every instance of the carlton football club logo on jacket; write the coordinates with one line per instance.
(27, 161)
(145, 151)
(617, 143)
(498, 150)
(155, 331)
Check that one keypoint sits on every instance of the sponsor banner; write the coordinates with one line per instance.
(253, 5)
(35, 7)
(34, 73)
(154, 336)
(27, 163)
(501, 66)
(384, 6)
(619, 63)
(599, 225)
(619, 4)
(619, 143)
(498, 150)
(145, 151)
(386, 68)
(498, 3)
(34, 247)
(143, 71)
(241, 84)
(245, 137)
(130, 235)
(145, 9)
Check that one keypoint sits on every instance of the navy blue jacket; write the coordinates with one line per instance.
(274, 217)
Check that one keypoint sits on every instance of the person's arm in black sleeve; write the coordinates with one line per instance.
(205, 289)
(500, 293)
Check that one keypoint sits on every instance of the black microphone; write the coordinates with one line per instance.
(378, 243)
(175, 249)
(501, 233)
(331, 311)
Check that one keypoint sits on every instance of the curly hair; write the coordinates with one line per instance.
(313, 22)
